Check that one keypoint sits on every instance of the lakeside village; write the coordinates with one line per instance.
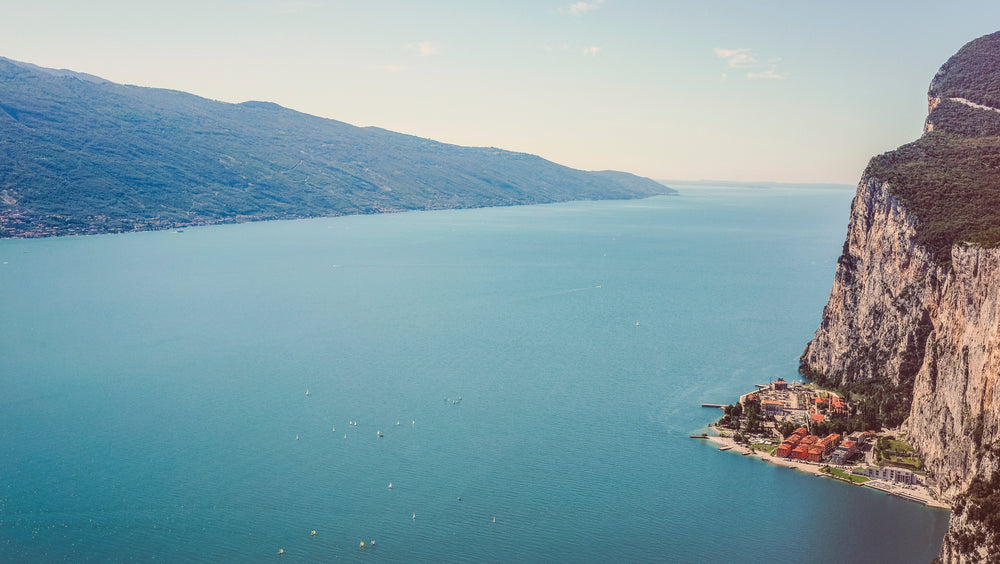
(801, 426)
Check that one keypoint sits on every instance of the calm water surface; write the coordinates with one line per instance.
(154, 404)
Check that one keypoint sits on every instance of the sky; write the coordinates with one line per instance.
(785, 91)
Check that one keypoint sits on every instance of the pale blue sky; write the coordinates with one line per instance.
(798, 91)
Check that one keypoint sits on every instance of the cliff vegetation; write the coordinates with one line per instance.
(949, 179)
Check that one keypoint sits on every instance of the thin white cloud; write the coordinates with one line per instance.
(737, 57)
(770, 74)
(582, 7)
(748, 59)
(593, 50)
(424, 48)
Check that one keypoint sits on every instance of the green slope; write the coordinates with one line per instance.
(82, 155)
(949, 179)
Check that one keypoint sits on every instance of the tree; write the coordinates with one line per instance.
(737, 410)
(786, 428)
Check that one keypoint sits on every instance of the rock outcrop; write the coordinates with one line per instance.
(918, 321)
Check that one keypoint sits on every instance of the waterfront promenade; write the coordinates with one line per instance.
(919, 494)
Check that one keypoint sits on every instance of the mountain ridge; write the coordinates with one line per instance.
(80, 154)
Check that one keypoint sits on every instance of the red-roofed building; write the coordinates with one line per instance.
(793, 440)
(837, 405)
(784, 450)
(817, 417)
(801, 432)
(845, 451)
(780, 384)
(809, 440)
(815, 454)
(800, 452)
(829, 442)
(772, 406)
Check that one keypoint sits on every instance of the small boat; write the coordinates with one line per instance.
(727, 447)
(307, 391)
(494, 520)
(390, 485)
(414, 516)
(380, 434)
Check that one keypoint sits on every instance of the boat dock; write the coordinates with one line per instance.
(715, 405)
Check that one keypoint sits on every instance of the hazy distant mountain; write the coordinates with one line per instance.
(79, 154)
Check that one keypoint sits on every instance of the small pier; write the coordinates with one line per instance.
(715, 405)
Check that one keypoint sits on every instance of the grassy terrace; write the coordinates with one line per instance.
(764, 448)
(854, 478)
(897, 453)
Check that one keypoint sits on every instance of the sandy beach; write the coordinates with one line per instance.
(919, 494)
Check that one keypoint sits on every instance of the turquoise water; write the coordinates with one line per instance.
(154, 401)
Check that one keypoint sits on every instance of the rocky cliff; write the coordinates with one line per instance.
(914, 312)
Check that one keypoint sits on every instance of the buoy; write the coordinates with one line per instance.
(313, 533)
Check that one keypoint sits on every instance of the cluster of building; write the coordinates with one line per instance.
(800, 404)
(803, 446)
(787, 402)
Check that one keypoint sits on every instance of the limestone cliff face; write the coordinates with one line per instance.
(897, 317)
(870, 324)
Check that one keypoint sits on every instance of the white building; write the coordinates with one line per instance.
(890, 474)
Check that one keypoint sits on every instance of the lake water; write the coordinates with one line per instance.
(153, 387)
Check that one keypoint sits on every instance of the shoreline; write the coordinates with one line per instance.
(919, 495)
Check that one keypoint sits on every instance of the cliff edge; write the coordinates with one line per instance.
(913, 318)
